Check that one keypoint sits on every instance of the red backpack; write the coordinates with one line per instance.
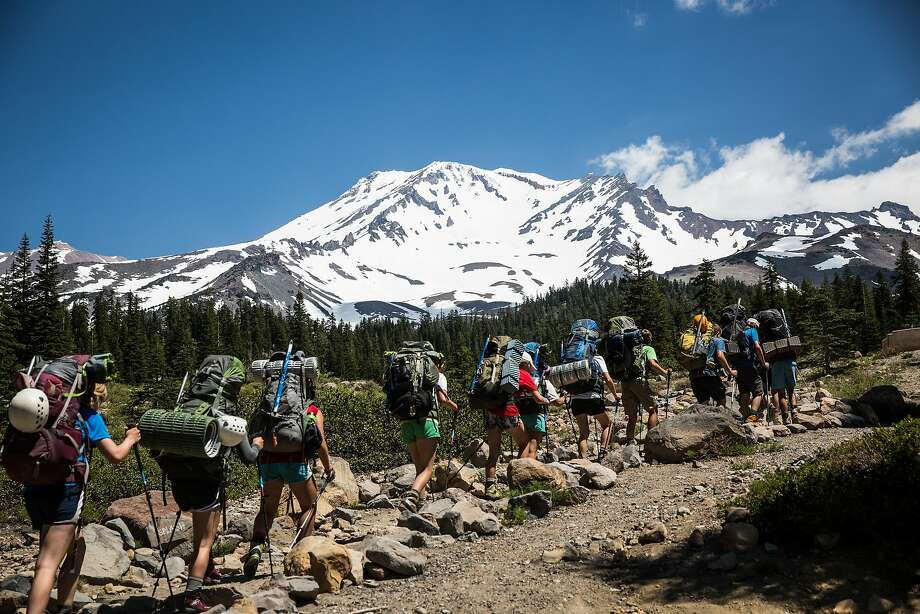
(50, 455)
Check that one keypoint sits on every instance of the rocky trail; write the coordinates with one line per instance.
(596, 538)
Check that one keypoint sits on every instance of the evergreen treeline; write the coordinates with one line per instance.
(843, 314)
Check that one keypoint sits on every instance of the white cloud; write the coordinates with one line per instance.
(732, 7)
(640, 19)
(767, 177)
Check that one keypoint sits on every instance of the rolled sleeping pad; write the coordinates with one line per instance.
(231, 430)
(180, 433)
(265, 368)
(569, 373)
(511, 366)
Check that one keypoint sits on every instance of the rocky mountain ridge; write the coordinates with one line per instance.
(452, 236)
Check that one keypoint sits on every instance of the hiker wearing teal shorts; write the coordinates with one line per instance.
(532, 405)
(421, 437)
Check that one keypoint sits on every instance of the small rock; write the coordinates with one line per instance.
(538, 503)
(415, 522)
(739, 536)
(328, 562)
(577, 495)
(796, 429)
(655, 532)
(367, 490)
(276, 599)
(374, 572)
(737, 514)
(118, 525)
(726, 562)
(553, 556)
(697, 539)
(632, 458)
(105, 559)
(478, 453)
(392, 555)
(822, 393)
(380, 502)
(598, 477)
(683, 511)
(847, 606)
(17, 584)
(880, 604)
(522, 471)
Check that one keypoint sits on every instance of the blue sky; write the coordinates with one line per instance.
(155, 128)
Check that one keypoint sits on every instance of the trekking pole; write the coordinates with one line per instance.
(264, 510)
(309, 515)
(182, 387)
(568, 410)
(667, 398)
(162, 570)
(450, 477)
(153, 518)
(482, 355)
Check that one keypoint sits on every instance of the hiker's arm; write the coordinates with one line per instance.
(658, 368)
(720, 356)
(760, 356)
(324, 447)
(443, 399)
(249, 452)
(539, 398)
(611, 385)
(117, 452)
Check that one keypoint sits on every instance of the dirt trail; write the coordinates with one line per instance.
(506, 574)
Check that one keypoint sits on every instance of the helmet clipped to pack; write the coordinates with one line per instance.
(29, 410)
(231, 430)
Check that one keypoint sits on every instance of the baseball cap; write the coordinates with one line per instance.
(753, 322)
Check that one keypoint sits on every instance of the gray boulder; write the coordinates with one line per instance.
(395, 557)
(888, 403)
(416, 522)
(302, 589)
(105, 560)
(276, 599)
(576, 495)
(572, 474)
(367, 490)
(464, 517)
(478, 454)
(118, 525)
(632, 458)
(598, 477)
(381, 502)
(671, 440)
(538, 502)
(17, 584)
(848, 420)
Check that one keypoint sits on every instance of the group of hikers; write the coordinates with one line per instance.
(55, 423)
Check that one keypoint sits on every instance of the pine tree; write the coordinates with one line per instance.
(907, 287)
(645, 301)
(706, 295)
(884, 305)
(47, 327)
(10, 348)
(298, 323)
(21, 296)
(79, 324)
(772, 288)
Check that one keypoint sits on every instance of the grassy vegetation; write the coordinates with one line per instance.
(741, 465)
(853, 383)
(514, 515)
(865, 489)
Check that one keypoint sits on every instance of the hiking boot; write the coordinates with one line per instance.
(752, 419)
(214, 576)
(601, 454)
(193, 603)
(251, 564)
(794, 417)
(410, 501)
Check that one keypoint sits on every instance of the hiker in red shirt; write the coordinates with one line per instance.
(508, 419)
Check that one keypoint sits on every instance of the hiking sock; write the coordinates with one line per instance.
(194, 584)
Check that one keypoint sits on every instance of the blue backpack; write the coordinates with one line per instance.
(582, 345)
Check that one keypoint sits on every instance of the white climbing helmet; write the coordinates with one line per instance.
(232, 430)
(29, 410)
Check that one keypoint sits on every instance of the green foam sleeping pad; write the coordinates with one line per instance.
(180, 433)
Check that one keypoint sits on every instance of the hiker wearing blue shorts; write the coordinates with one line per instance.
(783, 374)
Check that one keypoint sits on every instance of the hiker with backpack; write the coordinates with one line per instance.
(585, 386)
(204, 414)
(750, 380)
(706, 382)
(636, 391)
(42, 413)
(289, 432)
(532, 400)
(783, 378)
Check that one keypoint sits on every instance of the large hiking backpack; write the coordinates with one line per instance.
(410, 379)
(527, 404)
(213, 391)
(624, 355)
(50, 455)
(292, 428)
(694, 344)
(486, 391)
(772, 325)
(582, 346)
(732, 320)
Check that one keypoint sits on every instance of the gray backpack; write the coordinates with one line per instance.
(290, 429)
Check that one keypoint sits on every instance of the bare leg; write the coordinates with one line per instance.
(631, 418)
(204, 532)
(652, 417)
(266, 515)
(494, 437)
(306, 494)
(423, 459)
(54, 545)
(584, 431)
(70, 572)
(607, 428)
(519, 436)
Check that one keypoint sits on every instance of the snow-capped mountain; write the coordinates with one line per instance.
(66, 253)
(864, 249)
(452, 236)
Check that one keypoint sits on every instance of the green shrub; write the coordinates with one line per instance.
(867, 489)
(514, 515)
(723, 445)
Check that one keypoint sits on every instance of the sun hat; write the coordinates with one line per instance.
(753, 322)
(526, 358)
